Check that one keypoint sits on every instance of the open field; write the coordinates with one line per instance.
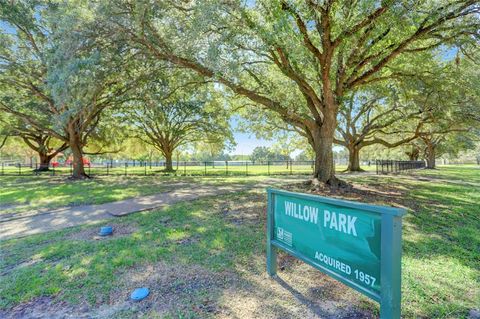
(206, 258)
(189, 170)
(28, 192)
(24, 193)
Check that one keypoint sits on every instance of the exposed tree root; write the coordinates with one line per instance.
(79, 178)
(333, 184)
(353, 170)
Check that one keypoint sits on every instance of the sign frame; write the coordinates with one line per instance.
(390, 242)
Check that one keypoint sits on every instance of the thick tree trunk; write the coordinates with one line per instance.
(168, 162)
(354, 159)
(44, 162)
(430, 157)
(75, 144)
(322, 143)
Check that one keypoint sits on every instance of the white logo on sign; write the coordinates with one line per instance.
(284, 236)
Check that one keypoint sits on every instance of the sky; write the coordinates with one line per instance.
(246, 142)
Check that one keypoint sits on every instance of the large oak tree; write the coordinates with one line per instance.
(54, 78)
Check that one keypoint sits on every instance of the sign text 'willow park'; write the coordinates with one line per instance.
(355, 243)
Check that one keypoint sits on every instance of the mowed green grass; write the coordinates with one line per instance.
(441, 247)
(441, 239)
(50, 191)
(30, 192)
(441, 262)
(26, 193)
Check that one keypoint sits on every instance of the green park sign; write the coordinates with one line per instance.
(355, 243)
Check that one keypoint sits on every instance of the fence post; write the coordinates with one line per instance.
(226, 168)
(145, 168)
(126, 164)
(246, 168)
(205, 168)
(19, 169)
(107, 168)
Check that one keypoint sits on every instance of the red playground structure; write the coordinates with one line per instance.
(69, 161)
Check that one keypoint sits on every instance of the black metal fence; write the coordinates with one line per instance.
(390, 166)
(181, 168)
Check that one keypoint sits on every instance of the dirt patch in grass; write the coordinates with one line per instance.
(372, 193)
(174, 289)
(299, 291)
(180, 290)
(22, 264)
(248, 212)
(119, 230)
(46, 308)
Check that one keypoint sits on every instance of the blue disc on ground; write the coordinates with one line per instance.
(139, 294)
(106, 230)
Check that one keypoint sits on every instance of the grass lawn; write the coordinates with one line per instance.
(233, 169)
(206, 258)
(24, 193)
(30, 192)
